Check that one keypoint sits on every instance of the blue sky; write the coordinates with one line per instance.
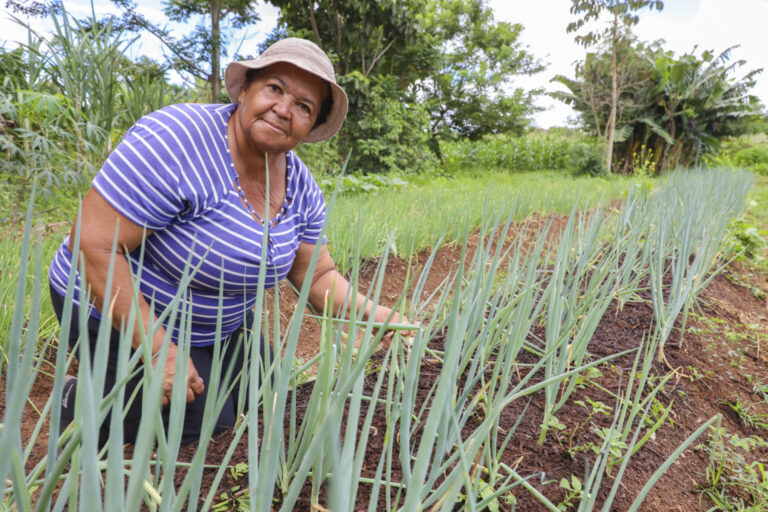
(683, 24)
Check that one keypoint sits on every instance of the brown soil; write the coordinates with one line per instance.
(723, 352)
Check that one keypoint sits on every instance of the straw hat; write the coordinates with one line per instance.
(302, 54)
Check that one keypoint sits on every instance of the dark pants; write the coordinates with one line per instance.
(232, 353)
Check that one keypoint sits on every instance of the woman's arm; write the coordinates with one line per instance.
(326, 279)
(97, 232)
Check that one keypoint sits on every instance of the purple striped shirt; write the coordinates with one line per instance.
(173, 173)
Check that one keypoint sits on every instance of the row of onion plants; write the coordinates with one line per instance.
(440, 449)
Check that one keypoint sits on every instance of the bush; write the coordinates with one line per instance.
(589, 158)
(384, 133)
(755, 158)
(322, 158)
(551, 150)
(748, 151)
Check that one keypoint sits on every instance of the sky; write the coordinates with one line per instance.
(684, 25)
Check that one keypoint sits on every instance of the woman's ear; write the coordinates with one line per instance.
(243, 91)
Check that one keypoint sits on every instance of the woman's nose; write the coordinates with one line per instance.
(282, 106)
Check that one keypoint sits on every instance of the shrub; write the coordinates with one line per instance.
(748, 151)
(322, 158)
(755, 158)
(589, 158)
(384, 133)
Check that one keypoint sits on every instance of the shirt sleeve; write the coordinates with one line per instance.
(312, 205)
(140, 178)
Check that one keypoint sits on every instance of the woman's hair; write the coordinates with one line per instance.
(325, 107)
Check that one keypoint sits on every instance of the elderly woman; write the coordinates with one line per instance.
(189, 182)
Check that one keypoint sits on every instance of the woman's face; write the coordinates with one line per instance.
(279, 108)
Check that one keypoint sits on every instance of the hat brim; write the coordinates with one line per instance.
(234, 79)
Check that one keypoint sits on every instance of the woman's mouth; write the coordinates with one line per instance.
(274, 126)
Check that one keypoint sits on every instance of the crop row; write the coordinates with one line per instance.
(447, 449)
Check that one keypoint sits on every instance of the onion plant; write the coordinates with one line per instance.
(442, 445)
(687, 221)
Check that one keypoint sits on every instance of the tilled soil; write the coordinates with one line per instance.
(722, 354)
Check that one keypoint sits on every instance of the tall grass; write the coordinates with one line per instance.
(486, 312)
(526, 153)
(416, 217)
(66, 98)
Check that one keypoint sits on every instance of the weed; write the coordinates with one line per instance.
(745, 412)
(643, 162)
(733, 480)
(573, 492)
(744, 239)
(238, 498)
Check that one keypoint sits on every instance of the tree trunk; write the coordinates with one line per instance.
(215, 77)
(610, 133)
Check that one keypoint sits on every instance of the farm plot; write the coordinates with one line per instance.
(567, 370)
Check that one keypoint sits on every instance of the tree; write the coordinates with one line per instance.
(415, 71)
(466, 93)
(672, 110)
(205, 44)
(385, 36)
(378, 49)
(622, 12)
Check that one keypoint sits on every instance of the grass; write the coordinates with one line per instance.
(420, 216)
(756, 214)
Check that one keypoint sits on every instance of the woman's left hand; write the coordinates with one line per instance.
(381, 315)
(383, 312)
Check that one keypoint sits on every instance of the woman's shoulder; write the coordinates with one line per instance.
(301, 178)
(184, 120)
(303, 187)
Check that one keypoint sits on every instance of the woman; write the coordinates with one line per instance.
(189, 182)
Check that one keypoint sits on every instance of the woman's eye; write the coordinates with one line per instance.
(274, 87)
(305, 108)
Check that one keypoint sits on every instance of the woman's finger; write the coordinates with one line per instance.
(197, 385)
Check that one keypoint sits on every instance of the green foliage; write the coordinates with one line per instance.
(369, 38)
(38, 136)
(619, 11)
(747, 413)
(386, 129)
(621, 14)
(573, 492)
(466, 94)
(735, 479)
(680, 108)
(504, 152)
(748, 151)
(323, 157)
(643, 163)
(66, 99)
(359, 184)
(416, 71)
(199, 52)
(385, 132)
(745, 239)
(589, 158)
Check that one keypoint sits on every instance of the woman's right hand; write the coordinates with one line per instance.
(195, 385)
